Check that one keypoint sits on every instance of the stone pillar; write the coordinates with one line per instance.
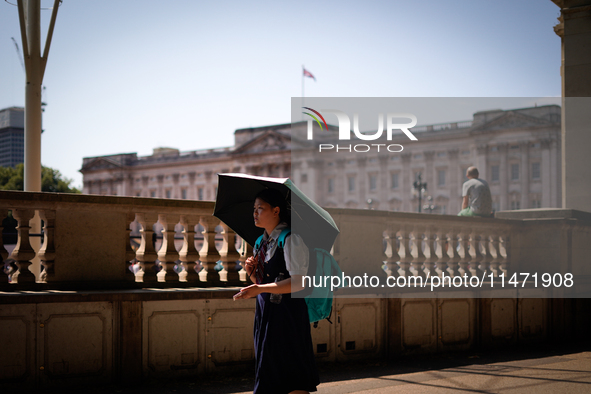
(524, 148)
(429, 176)
(482, 161)
(160, 192)
(362, 181)
(192, 195)
(145, 183)
(455, 186)
(503, 176)
(384, 175)
(209, 191)
(340, 183)
(406, 183)
(176, 192)
(575, 35)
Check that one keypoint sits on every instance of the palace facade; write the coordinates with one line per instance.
(517, 151)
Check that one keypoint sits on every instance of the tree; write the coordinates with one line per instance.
(51, 180)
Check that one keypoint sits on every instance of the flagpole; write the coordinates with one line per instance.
(303, 98)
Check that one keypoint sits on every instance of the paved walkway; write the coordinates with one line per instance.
(537, 370)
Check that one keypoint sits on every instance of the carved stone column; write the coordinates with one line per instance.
(129, 253)
(441, 251)
(188, 253)
(167, 255)
(391, 252)
(575, 35)
(23, 253)
(229, 256)
(209, 255)
(404, 252)
(452, 247)
(3, 251)
(418, 257)
(47, 251)
(476, 256)
(245, 252)
(463, 252)
(146, 254)
(430, 255)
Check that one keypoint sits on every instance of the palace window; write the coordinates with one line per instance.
(535, 170)
(394, 178)
(494, 173)
(514, 172)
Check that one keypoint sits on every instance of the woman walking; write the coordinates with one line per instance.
(284, 354)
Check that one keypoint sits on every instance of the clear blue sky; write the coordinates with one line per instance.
(129, 76)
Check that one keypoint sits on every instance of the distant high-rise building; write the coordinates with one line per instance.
(12, 136)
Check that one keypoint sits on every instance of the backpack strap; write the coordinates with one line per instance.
(258, 243)
(280, 240)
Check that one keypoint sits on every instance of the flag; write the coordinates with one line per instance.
(309, 74)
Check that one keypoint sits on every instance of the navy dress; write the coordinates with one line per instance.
(283, 344)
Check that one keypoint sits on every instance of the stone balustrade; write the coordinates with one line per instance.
(407, 244)
(86, 242)
(95, 242)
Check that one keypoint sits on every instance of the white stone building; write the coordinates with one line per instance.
(517, 151)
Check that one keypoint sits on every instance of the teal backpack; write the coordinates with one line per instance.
(318, 299)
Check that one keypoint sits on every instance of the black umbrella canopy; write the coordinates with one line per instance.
(235, 205)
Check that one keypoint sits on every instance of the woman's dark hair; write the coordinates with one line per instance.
(275, 198)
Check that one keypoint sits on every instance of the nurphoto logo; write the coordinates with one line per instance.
(345, 130)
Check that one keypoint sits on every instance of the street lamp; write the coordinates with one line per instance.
(429, 206)
(420, 187)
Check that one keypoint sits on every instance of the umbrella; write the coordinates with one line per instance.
(235, 201)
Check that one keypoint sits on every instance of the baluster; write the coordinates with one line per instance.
(404, 253)
(209, 255)
(23, 253)
(430, 256)
(146, 254)
(188, 254)
(452, 254)
(417, 252)
(229, 256)
(441, 252)
(129, 253)
(464, 254)
(3, 251)
(476, 256)
(486, 254)
(245, 252)
(167, 253)
(391, 252)
(504, 253)
(47, 251)
(495, 252)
